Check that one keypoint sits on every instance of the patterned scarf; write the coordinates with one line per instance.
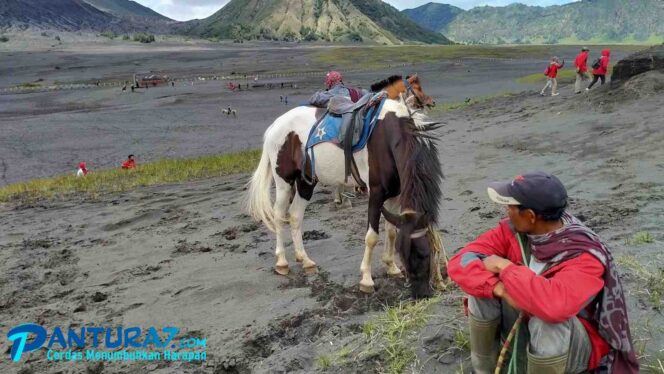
(570, 241)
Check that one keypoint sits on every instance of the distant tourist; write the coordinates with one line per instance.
(281, 98)
(129, 163)
(551, 73)
(286, 100)
(82, 170)
(581, 64)
(172, 83)
(600, 68)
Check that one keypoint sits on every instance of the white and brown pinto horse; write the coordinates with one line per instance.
(400, 166)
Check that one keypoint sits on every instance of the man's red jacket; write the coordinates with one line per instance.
(581, 62)
(603, 63)
(561, 292)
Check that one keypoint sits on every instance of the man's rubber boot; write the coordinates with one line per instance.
(547, 365)
(483, 345)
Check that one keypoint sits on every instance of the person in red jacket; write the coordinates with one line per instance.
(545, 265)
(551, 73)
(581, 63)
(129, 163)
(599, 71)
(82, 170)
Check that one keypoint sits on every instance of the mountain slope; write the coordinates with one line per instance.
(433, 16)
(390, 19)
(126, 8)
(69, 15)
(81, 15)
(330, 20)
(598, 21)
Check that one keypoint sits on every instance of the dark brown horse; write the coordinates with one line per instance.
(400, 165)
(405, 174)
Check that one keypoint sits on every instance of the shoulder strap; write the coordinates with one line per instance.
(525, 248)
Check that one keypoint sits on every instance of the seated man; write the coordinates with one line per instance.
(129, 163)
(546, 265)
(335, 87)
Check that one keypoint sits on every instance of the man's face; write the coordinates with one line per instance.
(522, 219)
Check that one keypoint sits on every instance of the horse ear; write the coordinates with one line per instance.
(412, 217)
(396, 220)
(408, 217)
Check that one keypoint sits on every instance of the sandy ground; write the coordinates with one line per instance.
(49, 133)
(186, 255)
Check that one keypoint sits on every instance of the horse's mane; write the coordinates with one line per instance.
(422, 173)
(378, 86)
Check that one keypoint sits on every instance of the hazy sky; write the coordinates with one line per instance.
(183, 10)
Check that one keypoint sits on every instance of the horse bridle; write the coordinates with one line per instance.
(411, 91)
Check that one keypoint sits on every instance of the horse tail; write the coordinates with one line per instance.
(259, 204)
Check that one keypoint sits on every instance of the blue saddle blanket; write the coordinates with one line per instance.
(329, 129)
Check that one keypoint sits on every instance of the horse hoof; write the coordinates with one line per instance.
(367, 289)
(398, 275)
(282, 270)
(311, 270)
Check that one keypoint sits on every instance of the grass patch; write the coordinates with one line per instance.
(109, 34)
(657, 366)
(651, 283)
(118, 180)
(641, 237)
(394, 333)
(643, 331)
(336, 359)
(28, 85)
(461, 340)
(324, 362)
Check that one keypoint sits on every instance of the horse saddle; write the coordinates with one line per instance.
(348, 125)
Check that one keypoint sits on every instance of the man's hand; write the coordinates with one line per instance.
(500, 293)
(496, 264)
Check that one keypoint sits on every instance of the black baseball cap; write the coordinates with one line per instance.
(538, 191)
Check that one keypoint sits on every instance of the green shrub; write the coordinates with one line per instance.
(108, 34)
(4, 39)
(126, 37)
(641, 237)
(144, 38)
